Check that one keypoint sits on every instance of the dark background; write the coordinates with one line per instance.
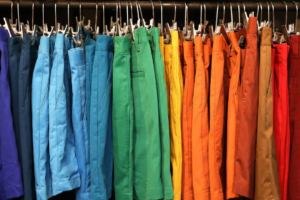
(88, 11)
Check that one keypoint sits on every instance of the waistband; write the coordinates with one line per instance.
(266, 36)
(122, 44)
(15, 44)
(281, 51)
(218, 45)
(252, 25)
(168, 52)
(233, 40)
(198, 44)
(59, 41)
(295, 40)
(174, 37)
(89, 41)
(154, 35)
(26, 41)
(44, 44)
(188, 49)
(207, 53)
(90, 53)
(140, 36)
(104, 43)
(76, 57)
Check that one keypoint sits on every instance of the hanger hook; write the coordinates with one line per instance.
(161, 17)
(286, 12)
(96, 16)
(120, 12)
(143, 21)
(204, 6)
(216, 24)
(261, 12)
(268, 14)
(185, 16)
(32, 17)
(18, 10)
(231, 14)
(223, 13)
(153, 14)
(103, 18)
(117, 12)
(273, 17)
(200, 13)
(80, 10)
(174, 11)
(257, 13)
(127, 13)
(55, 13)
(131, 12)
(239, 13)
(296, 4)
(11, 11)
(137, 9)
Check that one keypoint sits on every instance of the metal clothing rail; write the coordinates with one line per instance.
(250, 6)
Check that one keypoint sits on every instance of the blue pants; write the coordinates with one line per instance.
(10, 170)
(63, 163)
(40, 121)
(77, 63)
(89, 59)
(26, 65)
(100, 120)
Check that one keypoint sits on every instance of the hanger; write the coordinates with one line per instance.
(284, 27)
(121, 31)
(96, 19)
(293, 27)
(202, 26)
(160, 25)
(238, 25)
(143, 21)
(245, 17)
(274, 33)
(213, 32)
(172, 28)
(223, 29)
(152, 21)
(105, 30)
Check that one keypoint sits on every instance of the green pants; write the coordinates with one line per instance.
(122, 120)
(147, 158)
(153, 37)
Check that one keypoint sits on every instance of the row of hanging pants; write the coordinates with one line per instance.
(234, 124)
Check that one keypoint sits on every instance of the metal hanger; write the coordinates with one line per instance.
(57, 24)
(223, 29)
(293, 27)
(96, 33)
(160, 25)
(121, 31)
(169, 29)
(284, 27)
(113, 27)
(213, 32)
(152, 21)
(245, 17)
(238, 25)
(143, 21)
(275, 36)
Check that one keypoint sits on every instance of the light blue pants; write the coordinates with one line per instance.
(40, 121)
(89, 59)
(100, 120)
(78, 70)
(64, 167)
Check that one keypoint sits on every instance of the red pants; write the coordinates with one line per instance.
(281, 113)
(294, 90)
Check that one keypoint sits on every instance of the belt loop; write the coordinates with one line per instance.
(295, 47)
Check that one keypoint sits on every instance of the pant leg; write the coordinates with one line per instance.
(63, 163)
(77, 64)
(146, 139)
(216, 120)
(99, 115)
(89, 58)
(10, 169)
(187, 119)
(15, 44)
(176, 95)
(200, 126)
(122, 120)
(234, 73)
(40, 121)
(154, 39)
(25, 74)
(247, 117)
(294, 88)
(281, 115)
(266, 168)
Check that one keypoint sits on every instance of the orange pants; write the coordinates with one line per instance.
(200, 128)
(216, 134)
(187, 119)
(234, 73)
